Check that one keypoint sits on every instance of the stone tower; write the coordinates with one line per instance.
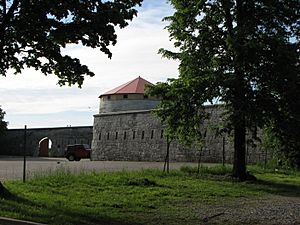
(125, 128)
(128, 97)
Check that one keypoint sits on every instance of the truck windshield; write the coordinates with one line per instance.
(86, 146)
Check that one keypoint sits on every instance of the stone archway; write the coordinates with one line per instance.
(44, 147)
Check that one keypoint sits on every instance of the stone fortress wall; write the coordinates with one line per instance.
(12, 141)
(139, 136)
(126, 129)
(127, 135)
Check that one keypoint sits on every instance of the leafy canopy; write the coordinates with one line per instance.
(244, 54)
(32, 33)
(3, 124)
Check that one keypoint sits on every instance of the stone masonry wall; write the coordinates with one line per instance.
(132, 136)
(12, 142)
(139, 136)
(126, 105)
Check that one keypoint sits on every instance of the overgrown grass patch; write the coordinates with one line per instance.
(212, 171)
(140, 197)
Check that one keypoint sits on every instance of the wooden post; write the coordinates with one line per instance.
(223, 152)
(266, 158)
(199, 160)
(24, 154)
(167, 158)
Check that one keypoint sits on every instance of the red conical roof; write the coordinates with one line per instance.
(136, 86)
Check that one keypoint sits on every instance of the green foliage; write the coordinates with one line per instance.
(270, 142)
(184, 119)
(3, 124)
(139, 197)
(243, 54)
(32, 33)
(286, 133)
(285, 149)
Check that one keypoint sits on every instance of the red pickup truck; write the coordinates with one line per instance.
(77, 152)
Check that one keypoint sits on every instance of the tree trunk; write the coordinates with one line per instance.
(239, 164)
(239, 97)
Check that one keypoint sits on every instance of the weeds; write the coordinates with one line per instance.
(216, 170)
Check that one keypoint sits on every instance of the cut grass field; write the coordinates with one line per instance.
(146, 197)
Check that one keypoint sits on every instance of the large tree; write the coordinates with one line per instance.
(33, 32)
(3, 127)
(242, 53)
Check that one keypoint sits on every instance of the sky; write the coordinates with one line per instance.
(36, 100)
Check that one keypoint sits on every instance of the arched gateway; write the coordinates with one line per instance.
(44, 141)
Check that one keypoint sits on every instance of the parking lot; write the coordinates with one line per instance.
(11, 168)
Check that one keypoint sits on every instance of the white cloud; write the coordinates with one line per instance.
(33, 94)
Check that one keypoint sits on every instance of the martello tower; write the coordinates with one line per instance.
(128, 97)
(125, 128)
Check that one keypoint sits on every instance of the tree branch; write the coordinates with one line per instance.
(5, 21)
(10, 14)
(4, 7)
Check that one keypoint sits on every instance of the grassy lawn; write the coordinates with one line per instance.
(144, 197)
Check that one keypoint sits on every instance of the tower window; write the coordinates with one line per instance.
(152, 134)
(116, 135)
(133, 134)
(124, 135)
(108, 136)
(99, 136)
(162, 134)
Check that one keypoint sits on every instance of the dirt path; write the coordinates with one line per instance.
(272, 210)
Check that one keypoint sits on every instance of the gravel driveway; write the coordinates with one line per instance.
(269, 210)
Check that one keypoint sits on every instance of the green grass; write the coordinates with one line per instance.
(140, 197)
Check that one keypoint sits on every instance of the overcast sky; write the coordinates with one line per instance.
(36, 100)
